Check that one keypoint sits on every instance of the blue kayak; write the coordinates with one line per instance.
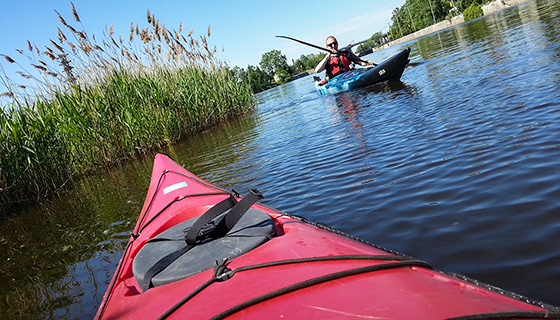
(390, 69)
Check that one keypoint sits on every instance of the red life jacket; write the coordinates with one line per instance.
(337, 65)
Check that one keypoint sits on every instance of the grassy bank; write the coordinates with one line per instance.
(108, 102)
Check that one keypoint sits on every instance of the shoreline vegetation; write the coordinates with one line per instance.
(487, 9)
(91, 103)
(412, 20)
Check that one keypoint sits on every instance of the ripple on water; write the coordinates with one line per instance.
(457, 164)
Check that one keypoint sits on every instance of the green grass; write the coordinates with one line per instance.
(141, 97)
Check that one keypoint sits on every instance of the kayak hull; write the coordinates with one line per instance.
(390, 69)
(305, 270)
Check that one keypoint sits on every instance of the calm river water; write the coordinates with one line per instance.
(457, 164)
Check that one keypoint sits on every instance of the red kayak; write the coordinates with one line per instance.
(201, 252)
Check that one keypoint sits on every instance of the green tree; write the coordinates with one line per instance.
(307, 62)
(373, 42)
(274, 62)
(258, 79)
(472, 12)
(238, 73)
(283, 75)
(417, 14)
(462, 5)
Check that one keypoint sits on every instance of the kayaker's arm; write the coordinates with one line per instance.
(366, 63)
(321, 66)
(355, 59)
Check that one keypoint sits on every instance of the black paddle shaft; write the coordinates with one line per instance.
(340, 52)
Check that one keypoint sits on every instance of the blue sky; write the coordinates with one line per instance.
(244, 29)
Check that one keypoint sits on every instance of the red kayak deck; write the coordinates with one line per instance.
(309, 272)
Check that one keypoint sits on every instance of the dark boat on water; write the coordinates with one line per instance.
(390, 69)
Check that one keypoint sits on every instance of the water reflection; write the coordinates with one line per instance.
(65, 247)
(394, 88)
(445, 165)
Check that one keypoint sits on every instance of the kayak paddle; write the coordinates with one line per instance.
(343, 52)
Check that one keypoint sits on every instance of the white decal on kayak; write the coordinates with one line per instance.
(175, 187)
(382, 71)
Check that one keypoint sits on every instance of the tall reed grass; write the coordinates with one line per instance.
(90, 104)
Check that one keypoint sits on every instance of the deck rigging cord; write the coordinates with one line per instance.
(222, 273)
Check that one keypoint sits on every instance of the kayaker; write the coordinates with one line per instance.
(334, 63)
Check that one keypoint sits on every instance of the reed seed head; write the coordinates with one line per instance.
(50, 55)
(72, 29)
(57, 46)
(61, 19)
(61, 36)
(7, 58)
(75, 13)
(36, 66)
(23, 75)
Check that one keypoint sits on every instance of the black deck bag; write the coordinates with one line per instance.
(168, 257)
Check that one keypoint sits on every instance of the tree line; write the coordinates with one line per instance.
(274, 70)
(415, 15)
(412, 16)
